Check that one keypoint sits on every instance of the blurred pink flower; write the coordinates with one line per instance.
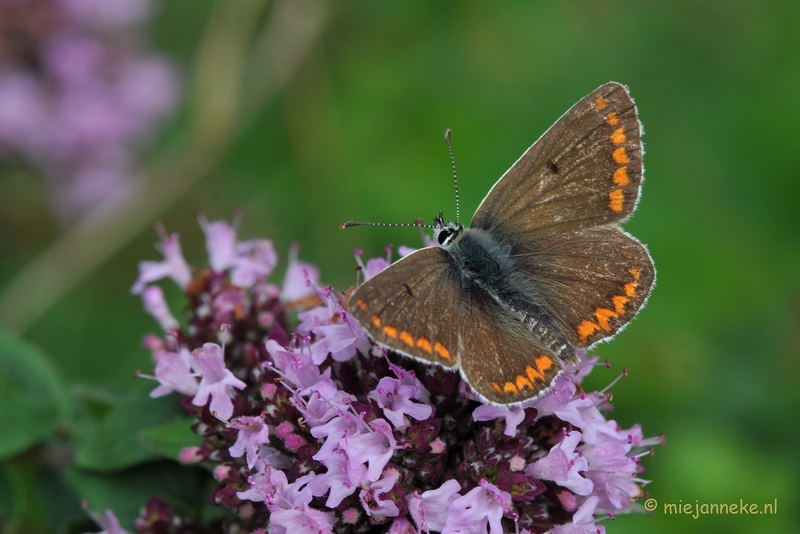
(79, 97)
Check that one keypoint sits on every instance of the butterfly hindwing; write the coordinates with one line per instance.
(593, 280)
(511, 365)
(408, 307)
(585, 171)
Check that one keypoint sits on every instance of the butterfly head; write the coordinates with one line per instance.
(446, 232)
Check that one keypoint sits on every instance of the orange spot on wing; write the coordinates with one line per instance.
(543, 363)
(586, 329)
(361, 304)
(618, 137)
(533, 374)
(619, 304)
(620, 156)
(390, 331)
(630, 289)
(407, 338)
(425, 345)
(621, 176)
(612, 119)
(376, 321)
(616, 199)
(441, 351)
(508, 387)
(603, 315)
(523, 382)
(496, 387)
(600, 102)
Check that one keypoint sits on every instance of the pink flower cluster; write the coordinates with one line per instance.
(77, 96)
(312, 428)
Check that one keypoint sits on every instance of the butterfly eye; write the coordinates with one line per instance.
(443, 235)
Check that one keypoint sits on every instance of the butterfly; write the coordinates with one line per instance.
(542, 270)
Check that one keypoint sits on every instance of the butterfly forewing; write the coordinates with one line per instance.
(585, 171)
(408, 307)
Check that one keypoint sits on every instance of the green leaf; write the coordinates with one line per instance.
(32, 397)
(24, 369)
(184, 488)
(25, 421)
(169, 439)
(114, 444)
(37, 499)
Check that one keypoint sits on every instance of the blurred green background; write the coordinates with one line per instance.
(339, 113)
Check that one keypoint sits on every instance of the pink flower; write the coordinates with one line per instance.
(513, 416)
(334, 431)
(110, 524)
(300, 279)
(563, 466)
(374, 446)
(174, 265)
(401, 525)
(156, 306)
(226, 303)
(612, 472)
(289, 507)
(429, 509)
(77, 98)
(556, 400)
(337, 480)
(318, 410)
(173, 372)
(300, 371)
(191, 455)
(394, 397)
(253, 433)
(483, 506)
(255, 260)
(104, 14)
(216, 380)
(220, 244)
(250, 262)
(337, 333)
(373, 501)
(374, 265)
(583, 521)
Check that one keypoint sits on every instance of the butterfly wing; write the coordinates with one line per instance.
(592, 281)
(585, 171)
(409, 307)
(502, 362)
(557, 207)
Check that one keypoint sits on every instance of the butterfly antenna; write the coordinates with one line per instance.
(453, 163)
(418, 224)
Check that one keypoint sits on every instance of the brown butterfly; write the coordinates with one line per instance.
(542, 270)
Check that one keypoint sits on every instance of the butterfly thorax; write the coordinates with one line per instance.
(481, 260)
